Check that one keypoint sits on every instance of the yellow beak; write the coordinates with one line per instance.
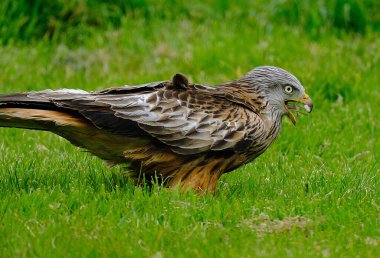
(307, 104)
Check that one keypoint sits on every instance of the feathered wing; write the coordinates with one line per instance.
(153, 123)
(189, 121)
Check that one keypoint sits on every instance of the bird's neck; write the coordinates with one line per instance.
(272, 123)
(272, 118)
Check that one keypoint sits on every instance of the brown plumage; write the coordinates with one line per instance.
(183, 134)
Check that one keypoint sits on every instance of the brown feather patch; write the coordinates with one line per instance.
(40, 118)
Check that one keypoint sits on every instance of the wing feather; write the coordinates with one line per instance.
(189, 121)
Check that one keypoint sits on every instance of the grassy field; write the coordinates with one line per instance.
(314, 193)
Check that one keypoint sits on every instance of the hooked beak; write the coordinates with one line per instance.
(307, 104)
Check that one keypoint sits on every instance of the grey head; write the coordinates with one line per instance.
(282, 89)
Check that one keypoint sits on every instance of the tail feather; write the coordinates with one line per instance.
(19, 110)
(38, 112)
(22, 100)
(38, 119)
(16, 97)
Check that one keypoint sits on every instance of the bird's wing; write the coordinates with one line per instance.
(189, 121)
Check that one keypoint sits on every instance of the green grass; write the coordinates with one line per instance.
(314, 193)
(73, 21)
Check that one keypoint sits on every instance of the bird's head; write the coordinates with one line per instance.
(282, 90)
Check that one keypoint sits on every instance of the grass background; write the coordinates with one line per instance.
(314, 193)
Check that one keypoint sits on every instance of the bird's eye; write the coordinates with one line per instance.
(288, 89)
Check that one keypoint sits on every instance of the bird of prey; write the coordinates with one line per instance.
(179, 133)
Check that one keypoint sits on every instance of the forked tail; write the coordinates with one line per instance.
(17, 110)
(40, 111)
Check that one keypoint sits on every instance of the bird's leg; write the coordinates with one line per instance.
(202, 182)
(200, 174)
(202, 178)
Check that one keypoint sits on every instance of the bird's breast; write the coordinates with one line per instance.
(270, 132)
